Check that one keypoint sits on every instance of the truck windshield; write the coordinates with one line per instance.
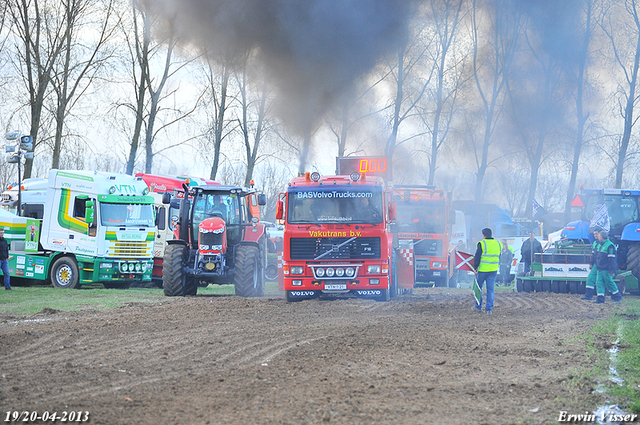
(622, 209)
(128, 215)
(421, 216)
(224, 206)
(335, 204)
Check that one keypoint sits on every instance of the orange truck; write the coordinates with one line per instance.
(423, 228)
(337, 237)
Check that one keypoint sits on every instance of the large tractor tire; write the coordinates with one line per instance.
(190, 286)
(633, 259)
(174, 276)
(64, 273)
(247, 278)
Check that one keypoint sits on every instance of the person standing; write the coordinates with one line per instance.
(4, 259)
(506, 257)
(530, 247)
(607, 267)
(486, 262)
(590, 287)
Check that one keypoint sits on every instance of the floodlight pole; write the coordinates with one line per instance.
(19, 180)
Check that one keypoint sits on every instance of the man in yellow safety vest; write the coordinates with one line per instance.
(487, 263)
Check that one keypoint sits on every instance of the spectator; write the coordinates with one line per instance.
(607, 267)
(506, 257)
(486, 262)
(590, 287)
(530, 247)
(4, 259)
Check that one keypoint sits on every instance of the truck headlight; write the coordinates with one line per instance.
(374, 269)
(330, 272)
(350, 271)
(106, 265)
(319, 272)
(437, 264)
(297, 269)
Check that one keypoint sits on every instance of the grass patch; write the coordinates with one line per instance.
(622, 326)
(24, 300)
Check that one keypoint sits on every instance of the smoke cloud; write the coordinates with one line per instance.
(311, 50)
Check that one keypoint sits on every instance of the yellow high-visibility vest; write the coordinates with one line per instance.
(490, 260)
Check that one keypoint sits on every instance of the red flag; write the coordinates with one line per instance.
(464, 261)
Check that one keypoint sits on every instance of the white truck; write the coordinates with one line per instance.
(33, 193)
(96, 227)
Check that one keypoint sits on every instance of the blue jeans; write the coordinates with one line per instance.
(490, 278)
(4, 264)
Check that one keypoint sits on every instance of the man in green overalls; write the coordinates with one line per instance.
(590, 290)
(607, 268)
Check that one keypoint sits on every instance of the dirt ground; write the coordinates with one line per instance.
(425, 358)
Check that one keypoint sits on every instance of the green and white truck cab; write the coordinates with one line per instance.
(96, 227)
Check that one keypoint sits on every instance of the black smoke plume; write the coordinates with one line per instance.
(311, 50)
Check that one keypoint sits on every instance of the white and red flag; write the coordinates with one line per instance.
(464, 261)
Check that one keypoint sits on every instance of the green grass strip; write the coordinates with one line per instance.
(26, 300)
(622, 326)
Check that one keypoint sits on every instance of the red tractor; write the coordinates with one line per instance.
(220, 240)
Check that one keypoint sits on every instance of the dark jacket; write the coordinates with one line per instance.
(506, 256)
(606, 257)
(4, 249)
(595, 247)
(526, 249)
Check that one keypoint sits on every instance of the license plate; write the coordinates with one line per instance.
(335, 287)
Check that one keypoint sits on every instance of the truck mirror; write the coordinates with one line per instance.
(166, 198)
(393, 211)
(90, 212)
(279, 210)
(262, 199)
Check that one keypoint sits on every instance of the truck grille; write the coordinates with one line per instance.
(430, 247)
(355, 249)
(130, 249)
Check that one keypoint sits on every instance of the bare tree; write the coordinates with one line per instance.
(253, 122)
(623, 30)
(448, 70)
(410, 83)
(217, 101)
(139, 56)
(79, 63)
(580, 79)
(40, 37)
(492, 62)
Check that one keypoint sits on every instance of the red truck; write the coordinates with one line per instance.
(337, 237)
(423, 227)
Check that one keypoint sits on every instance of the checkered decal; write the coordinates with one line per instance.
(407, 255)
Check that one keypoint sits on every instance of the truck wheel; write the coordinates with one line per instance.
(272, 272)
(246, 279)
(633, 259)
(65, 273)
(173, 274)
